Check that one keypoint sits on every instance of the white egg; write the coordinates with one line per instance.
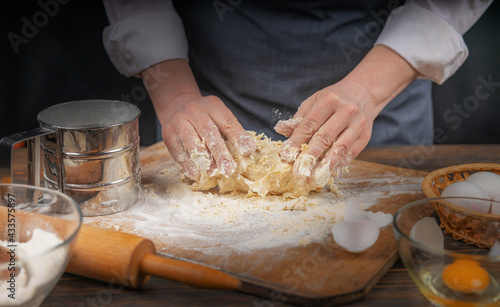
(356, 236)
(488, 181)
(468, 189)
(427, 232)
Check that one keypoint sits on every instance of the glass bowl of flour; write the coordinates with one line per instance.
(38, 227)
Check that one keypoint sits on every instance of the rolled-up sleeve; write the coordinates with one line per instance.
(428, 34)
(142, 33)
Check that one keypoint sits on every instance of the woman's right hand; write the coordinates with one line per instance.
(194, 126)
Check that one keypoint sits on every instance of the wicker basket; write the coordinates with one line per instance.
(481, 229)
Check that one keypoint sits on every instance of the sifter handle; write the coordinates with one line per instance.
(6, 150)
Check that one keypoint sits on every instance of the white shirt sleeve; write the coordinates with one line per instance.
(143, 33)
(428, 34)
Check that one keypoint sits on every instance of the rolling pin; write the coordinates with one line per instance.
(129, 260)
(119, 257)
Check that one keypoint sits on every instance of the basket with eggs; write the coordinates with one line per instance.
(467, 221)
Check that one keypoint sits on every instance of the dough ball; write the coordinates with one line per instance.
(262, 173)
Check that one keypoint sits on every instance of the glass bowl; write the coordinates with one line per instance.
(448, 272)
(38, 229)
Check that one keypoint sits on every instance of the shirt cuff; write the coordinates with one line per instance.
(427, 42)
(138, 42)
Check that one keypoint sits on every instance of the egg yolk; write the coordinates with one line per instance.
(466, 276)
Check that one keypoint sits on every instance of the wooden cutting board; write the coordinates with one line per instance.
(308, 272)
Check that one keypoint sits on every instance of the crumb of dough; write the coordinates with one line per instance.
(264, 173)
(304, 241)
(200, 156)
(304, 164)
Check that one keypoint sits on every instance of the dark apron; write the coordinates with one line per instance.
(263, 58)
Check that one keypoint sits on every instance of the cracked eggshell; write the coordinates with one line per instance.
(495, 249)
(468, 189)
(356, 236)
(354, 212)
(426, 231)
(381, 218)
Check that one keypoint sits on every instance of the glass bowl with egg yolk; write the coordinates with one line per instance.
(448, 272)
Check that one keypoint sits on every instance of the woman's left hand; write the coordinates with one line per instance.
(336, 122)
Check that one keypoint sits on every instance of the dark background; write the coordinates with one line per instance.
(65, 61)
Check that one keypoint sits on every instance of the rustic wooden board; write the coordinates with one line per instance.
(315, 273)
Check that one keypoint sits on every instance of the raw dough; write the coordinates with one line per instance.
(264, 173)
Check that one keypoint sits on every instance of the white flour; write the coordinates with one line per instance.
(243, 224)
(37, 274)
(174, 215)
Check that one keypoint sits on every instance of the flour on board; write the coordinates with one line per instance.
(174, 216)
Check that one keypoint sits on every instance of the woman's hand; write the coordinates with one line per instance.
(336, 122)
(193, 126)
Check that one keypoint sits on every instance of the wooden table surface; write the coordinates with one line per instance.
(394, 289)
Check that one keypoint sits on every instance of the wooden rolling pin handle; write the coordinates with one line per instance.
(187, 273)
